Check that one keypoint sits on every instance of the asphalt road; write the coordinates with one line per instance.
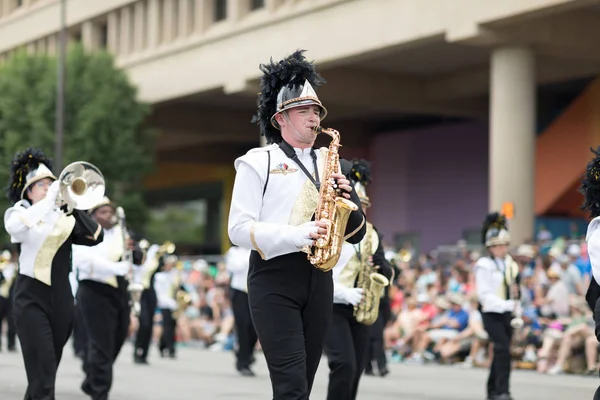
(202, 374)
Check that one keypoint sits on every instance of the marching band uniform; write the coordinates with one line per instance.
(43, 302)
(7, 278)
(590, 188)
(274, 200)
(104, 301)
(166, 284)
(347, 340)
(237, 261)
(495, 277)
(148, 303)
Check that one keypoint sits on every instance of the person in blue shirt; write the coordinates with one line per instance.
(446, 326)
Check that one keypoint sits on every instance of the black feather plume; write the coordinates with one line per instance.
(20, 166)
(291, 71)
(360, 172)
(590, 185)
(493, 220)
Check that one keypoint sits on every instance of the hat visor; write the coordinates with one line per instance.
(34, 180)
(497, 242)
(301, 103)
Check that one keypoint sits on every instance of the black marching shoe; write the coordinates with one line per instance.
(139, 360)
(503, 396)
(246, 371)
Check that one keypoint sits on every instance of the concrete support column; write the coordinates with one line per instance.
(168, 18)
(90, 35)
(154, 28)
(139, 27)
(203, 19)
(113, 29)
(235, 10)
(184, 18)
(126, 33)
(512, 137)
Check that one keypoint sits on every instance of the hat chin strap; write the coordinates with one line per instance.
(287, 117)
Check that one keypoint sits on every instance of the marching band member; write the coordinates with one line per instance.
(43, 302)
(103, 298)
(348, 336)
(152, 265)
(8, 275)
(166, 284)
(496, 280)
(274, 198)
(237, 262)
(590, 188)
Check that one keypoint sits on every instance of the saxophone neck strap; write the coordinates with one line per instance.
(291, 153)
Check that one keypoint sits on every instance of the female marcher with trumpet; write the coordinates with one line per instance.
(496, 277)
(43, 302)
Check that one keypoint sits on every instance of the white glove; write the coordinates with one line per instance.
(121, 268)
(352, 295)
(302, 235)
(52, 192)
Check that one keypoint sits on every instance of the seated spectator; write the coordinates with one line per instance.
(446, 326)
(401, 334)
(556, 301)
(474, 337)
(577, 334)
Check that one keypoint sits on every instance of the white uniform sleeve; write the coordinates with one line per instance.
(268, 239)
(487, 288)
(19, 218)
(87, 261)
(161, 286)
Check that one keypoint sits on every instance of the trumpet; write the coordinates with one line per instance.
(82, 186)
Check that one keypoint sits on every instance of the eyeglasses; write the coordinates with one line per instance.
(43, 183)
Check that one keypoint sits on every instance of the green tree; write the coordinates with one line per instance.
(104, 121)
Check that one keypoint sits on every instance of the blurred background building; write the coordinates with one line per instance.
(460, 105)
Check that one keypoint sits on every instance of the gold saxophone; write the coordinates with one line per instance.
(182, 297)
(332, 209)
(372, 283)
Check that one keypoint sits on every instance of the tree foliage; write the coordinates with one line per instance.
(104, 121)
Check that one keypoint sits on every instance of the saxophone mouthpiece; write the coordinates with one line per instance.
(317, 129)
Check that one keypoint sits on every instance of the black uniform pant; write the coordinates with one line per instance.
(106, 313)
(246, 334)
(146, 323)
(44, 322)
(346, 348)
(500, 332)
(291, 303)
(167, 339)
(79, 333)
(7, 314)
(376, 351)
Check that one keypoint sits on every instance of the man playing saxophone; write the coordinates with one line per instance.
(358, 284)
(103, 298)
(275, 196)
